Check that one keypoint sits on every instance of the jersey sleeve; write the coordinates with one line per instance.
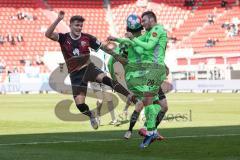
(142, 37)
(94, 43)
(125, 40)
(61, 37)
(155, 34)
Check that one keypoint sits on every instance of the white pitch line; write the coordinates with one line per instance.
(116, 139)
(191, 100)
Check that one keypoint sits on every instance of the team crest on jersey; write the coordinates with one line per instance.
(154, 34)
(83, 43)
(76, 52)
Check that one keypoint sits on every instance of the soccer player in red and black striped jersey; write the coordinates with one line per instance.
(75, 49)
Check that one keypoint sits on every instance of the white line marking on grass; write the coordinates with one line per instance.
(116, 139)
(190, 100)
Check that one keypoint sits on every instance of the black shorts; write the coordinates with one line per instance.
(161, 95)
(80, 78)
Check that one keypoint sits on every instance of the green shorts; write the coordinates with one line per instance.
(145, 77)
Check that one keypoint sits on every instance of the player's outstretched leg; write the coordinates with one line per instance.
(151, 112)
(118, 88)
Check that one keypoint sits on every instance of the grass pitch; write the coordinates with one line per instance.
(31, 130)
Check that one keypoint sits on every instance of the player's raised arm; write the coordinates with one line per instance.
(50, 31)
(108, 47)
(118, 58)
(120, 40)
(154, 39)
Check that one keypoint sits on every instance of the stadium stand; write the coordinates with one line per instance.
(188, 26)
(169, 16)
(93, 11)
(24, 18)
(34, 42)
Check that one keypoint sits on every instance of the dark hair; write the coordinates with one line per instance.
(150, 14)
(134, 30)
(76, 18)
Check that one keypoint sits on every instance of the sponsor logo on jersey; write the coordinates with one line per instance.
(76, 52)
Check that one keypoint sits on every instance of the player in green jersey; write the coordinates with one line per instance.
(125, 55)
(154, 43)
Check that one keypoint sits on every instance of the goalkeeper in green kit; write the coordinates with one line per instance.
(146, 71)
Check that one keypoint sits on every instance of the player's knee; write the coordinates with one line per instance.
(99, 101)
(100, 77)
(79, 99)
(164, 108)
(167, 87)
(170, 88)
